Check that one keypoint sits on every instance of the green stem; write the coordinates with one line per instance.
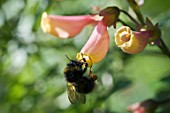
(164, 48)
(136, 9)
(131, 18)
(125, 24)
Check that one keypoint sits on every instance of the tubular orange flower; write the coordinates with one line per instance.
(131, 41)
(65, 26)
(97, 46)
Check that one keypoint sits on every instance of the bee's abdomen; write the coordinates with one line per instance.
(84, 85)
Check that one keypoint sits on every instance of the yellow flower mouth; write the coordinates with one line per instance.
(81, 56)
(125, 36)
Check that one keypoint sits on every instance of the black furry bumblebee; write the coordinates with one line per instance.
(75, 70)
(77, 84)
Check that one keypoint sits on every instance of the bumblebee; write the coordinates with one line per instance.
(75, 70)
(77, 84)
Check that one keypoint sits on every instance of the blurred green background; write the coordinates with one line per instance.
(32, 62)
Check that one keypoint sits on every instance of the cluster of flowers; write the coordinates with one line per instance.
(96, 47)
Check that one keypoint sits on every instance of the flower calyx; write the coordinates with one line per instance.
(155, 29)
(110, 15)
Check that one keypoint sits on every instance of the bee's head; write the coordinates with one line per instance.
(74, 63)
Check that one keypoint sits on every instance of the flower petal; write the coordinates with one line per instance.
(98, 43)
(65, 26)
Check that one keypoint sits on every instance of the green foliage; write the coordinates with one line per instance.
(32, 63)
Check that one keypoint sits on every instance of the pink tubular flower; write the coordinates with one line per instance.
(65, 26)
(97, 45)
(136, 108)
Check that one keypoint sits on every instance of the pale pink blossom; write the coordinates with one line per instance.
(147, 106)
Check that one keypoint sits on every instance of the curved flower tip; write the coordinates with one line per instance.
(131, 42)
(65, 26)
(97, 45)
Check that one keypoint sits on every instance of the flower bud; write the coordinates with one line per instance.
(65, 26)
(131, 42)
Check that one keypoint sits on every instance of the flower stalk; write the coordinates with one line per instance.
(137, 11)
(131, 18)
(164, 48)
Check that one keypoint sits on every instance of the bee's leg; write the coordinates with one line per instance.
(93, 77)
(86, 65)
(90, 71)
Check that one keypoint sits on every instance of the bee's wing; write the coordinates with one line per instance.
(80, 97)
(71, 93)
(74, 96)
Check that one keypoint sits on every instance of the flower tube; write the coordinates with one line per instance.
(97, 46)
(65, 26)
(132, 42)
